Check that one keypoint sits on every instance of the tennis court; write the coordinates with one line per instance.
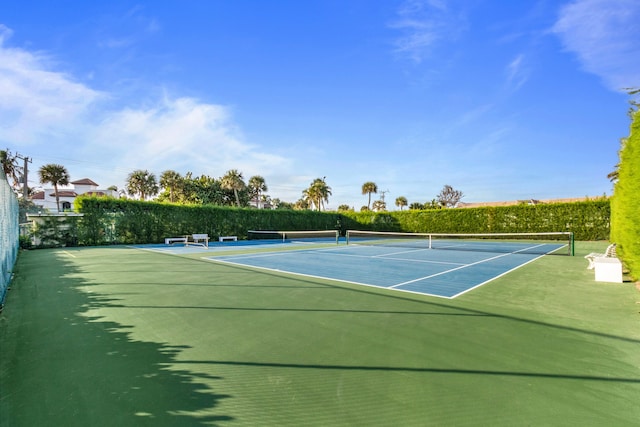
(409, 265)
(162, 337)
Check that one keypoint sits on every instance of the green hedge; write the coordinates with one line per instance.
(109, 221)
(625, 204)
(588, 220)
(121, 221)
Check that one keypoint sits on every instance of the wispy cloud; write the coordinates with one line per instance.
(5, 33)
(43, 110)
(605, 35)
(423, 24)
(181, 134)
(474, 114)
(36, 101)
(128, 29)
(517, 73)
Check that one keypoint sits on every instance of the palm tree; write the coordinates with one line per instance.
(317, 193)
(233, 180)
(257, 185)
(55, 175)
(302, 203)
(142, 182)
(171, 181)
(368, 188)
(401, 202)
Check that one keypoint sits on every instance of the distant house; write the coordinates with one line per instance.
(46, 199)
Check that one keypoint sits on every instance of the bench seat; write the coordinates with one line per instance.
(170, 240)
(228, 238)
(609, 253)
(199, 239)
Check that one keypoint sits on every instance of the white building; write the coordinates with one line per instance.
(46, 199)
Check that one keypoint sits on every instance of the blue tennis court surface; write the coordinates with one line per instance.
(214, 247)
(442, 273)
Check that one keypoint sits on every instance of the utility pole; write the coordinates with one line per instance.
(383, 193)
(25, 188)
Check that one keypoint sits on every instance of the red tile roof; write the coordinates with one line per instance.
(65, 193)
(84, 181)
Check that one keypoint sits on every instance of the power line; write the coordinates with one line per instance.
(25, 188)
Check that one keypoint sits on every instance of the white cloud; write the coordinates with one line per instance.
(424, 24)
(36, 101)
(5, 33)
(181, 134)
(473, 115)
(517, 73)
(46, 115)
(129, 29)
(605, 35)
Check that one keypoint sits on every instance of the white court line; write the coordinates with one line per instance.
(221, 261)
(494, 278)
(224, 260)
(325, 250)
(277, 253)
(427, 261)
(389, 255)
(68, 253)
(422, 261)
(469, 265)
(402, 252)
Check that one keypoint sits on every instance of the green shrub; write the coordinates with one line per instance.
(120, 221)
(111, 221)
(25, 242)
(625, 204)
(588, 220)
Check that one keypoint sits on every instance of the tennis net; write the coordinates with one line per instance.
(528, 243)
(294, 236)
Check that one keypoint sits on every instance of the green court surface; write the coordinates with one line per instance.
(118, 336)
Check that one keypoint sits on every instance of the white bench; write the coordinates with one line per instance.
(199, 239)
(608, 269)
(170, 240)
(229, 238)
(609, 253)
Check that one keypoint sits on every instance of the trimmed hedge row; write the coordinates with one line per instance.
(625, 203)
(114, 221)
(111, 221)
(588, 220)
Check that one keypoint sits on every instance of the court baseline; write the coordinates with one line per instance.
(445, 274)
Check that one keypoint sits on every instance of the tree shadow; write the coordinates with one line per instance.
(62, 366)
(423, 301)
(602, 378)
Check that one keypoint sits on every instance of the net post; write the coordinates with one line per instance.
(337, 237)
(572, 247)
(347, 236)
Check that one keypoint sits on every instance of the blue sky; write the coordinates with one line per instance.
(502, 100)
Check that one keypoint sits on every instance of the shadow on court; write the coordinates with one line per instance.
(136, 338)
(59, 367)
(446, 309)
